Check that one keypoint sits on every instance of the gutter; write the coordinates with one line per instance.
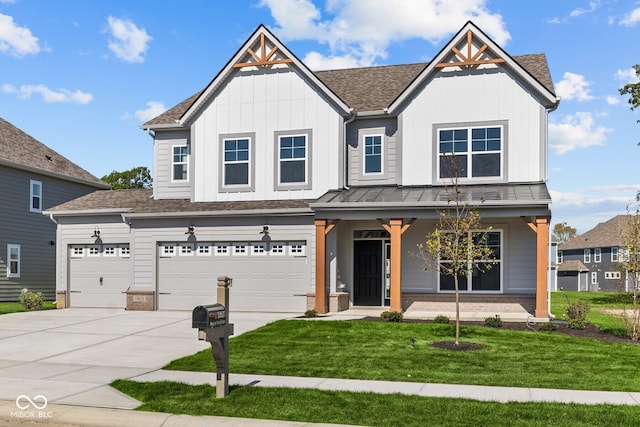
(53, 174)
(345, 163)
(195, 214)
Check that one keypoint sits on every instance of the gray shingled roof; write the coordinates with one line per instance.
(604, 235)
(572, 265)
(17, 149)
(370, 88)
(140, 201)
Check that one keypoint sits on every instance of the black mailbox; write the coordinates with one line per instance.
(209, 316)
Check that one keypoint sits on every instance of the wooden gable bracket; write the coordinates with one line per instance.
(532, 223)
(469, 60)
(264, 59)
(331, 226)
(404, 228)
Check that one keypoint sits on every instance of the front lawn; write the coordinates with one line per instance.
(602, 306)
(16, 307)
(317, 406)
(383, 351)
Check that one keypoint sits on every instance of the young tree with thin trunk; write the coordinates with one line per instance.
(630, 266)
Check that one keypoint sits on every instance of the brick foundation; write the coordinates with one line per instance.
(61, 299)
(140, 300)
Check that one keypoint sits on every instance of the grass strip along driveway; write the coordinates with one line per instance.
(383, 351)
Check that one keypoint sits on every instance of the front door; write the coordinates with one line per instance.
(367, 272)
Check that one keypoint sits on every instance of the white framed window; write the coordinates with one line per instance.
(293, 160)
(258, 248)
(587, 256)
(109, 251)
(125, 251)
(186, 249)
(221, 249)
(610, 275)
(168, 249)
(277, 249)
(297, 248)
(473, 152)
(77, 251)
(560, 257)
(204, 249)
(13, 258)
(93, 250)
(614, 254)
(240, 249)
(179, 163)
(594, 278)
(597, 255)
(35, 197)
(237, 163)
(373, 155)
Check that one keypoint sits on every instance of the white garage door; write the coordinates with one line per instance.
(273, 276)
(99, 275)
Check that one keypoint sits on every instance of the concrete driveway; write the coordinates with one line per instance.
(70, 356)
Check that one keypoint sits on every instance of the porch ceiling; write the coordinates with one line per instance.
(502, 200)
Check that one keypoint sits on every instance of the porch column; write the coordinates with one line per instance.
(396, 228)
(542, 267)
(322, 229)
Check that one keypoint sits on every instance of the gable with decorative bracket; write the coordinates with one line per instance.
(470, 53)
(264, 53)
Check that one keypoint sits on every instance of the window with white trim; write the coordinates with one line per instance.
(125, 251)
(470, 152)
(594, 278)
(204, 249)
(221, 249)
(614, 254)
(258, 248)
(13, 264)
(610, 275)
(481, 277)
(597, 255)
(236, 168)
(297, 248)
(179, 163)
(587, 256)
(35, 196)
(240, 249)
(559, 257)
(373, 154)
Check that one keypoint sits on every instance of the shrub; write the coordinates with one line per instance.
(577, 314)
(31, 300)
(311, 313)
(392, 316)
(548, 326)
(576, 324)
(441, 319)
(493, 321)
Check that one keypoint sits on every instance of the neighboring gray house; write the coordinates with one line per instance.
(33, 178)
(313, 189)
(590, 262)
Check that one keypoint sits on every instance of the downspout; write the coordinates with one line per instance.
(345, 163)
(546, 160)
(51, 217)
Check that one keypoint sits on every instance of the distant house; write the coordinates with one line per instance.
(312, 189)
(591, 261)
(33, 178)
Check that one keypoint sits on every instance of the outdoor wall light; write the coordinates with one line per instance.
(191, 229)
(96, 233)
(265, 230)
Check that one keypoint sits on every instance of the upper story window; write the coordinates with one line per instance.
(597, 255)
(560, 257)
(236, 171)
(13, 255)
(35, 198)
(587, 255)
(179, 163)
(373, 158)
(614, 254)
(473, 152)
(293, 159)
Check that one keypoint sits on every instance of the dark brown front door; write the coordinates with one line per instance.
(367, 272)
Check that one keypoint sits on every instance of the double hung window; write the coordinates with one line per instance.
(237, 162)
(13, 266)
(179, 163)
(35, 198)
(293, 160)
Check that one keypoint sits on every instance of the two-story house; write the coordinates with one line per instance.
(33, 177)
(313, 189)
(591, 261)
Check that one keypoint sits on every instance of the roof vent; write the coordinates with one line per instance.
(48, 157)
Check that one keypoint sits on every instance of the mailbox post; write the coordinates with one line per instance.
(213, 325)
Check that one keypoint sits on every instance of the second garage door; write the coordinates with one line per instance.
(267, 276)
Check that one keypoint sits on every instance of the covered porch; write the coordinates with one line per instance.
(394, 211)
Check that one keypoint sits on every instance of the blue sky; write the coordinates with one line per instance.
(81, 76)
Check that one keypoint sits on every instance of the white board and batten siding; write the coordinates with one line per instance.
(280, 100)
(486, 96)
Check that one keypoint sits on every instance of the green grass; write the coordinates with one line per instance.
(318, 406)
(16, 307)
(598, 302)
(382, 351)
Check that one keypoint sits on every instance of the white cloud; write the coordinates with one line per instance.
(574, 86)
(318, 62)
(627, 76)
(631, 18)
(7, 1)
(15, 40)
(581, 11)
(154, 109)
(361, 30)
(48, 95)
(613, 100)
(129, 42)
(575, 132)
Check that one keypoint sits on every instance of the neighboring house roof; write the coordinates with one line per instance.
(140, 201)
(364, 89)
(604, 235)
(572, 265)
(21, 151)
